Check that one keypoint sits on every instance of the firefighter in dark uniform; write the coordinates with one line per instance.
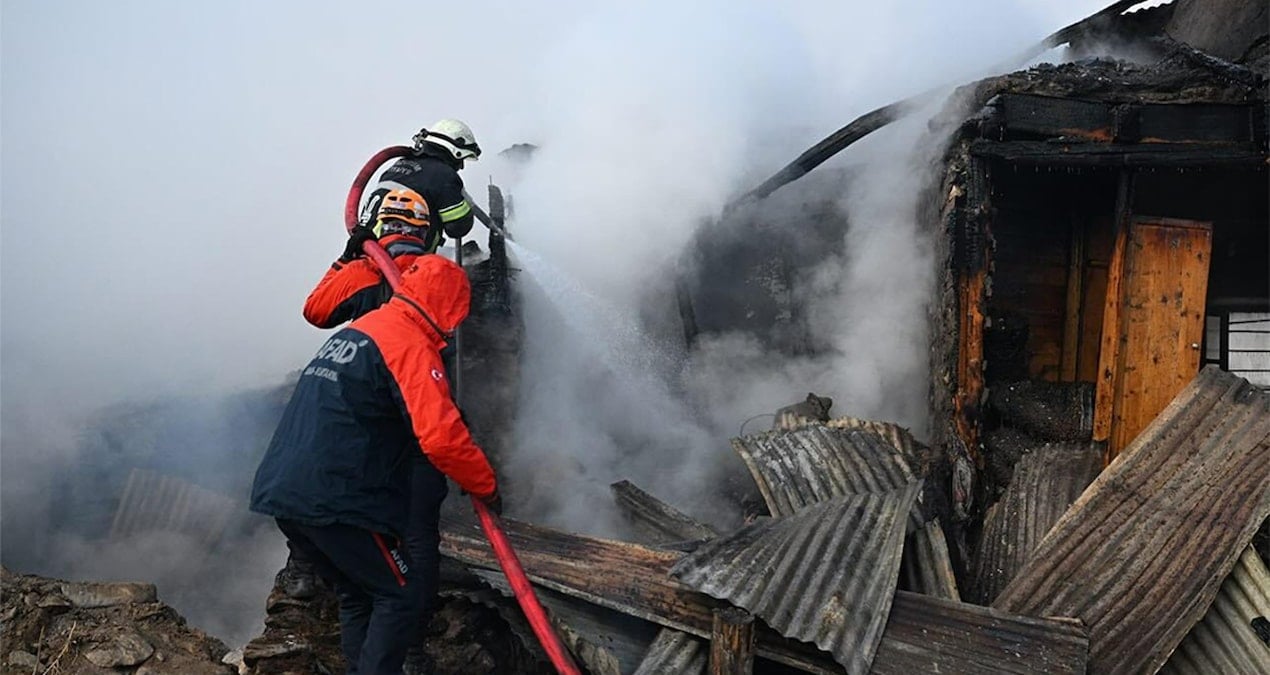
(433, 172)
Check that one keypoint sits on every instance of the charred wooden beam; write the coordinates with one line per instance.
(661, 522)
(1034, 117)
(922, 634)
(1078, 154)
(732, 642)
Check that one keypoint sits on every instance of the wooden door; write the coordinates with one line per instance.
(1156, 308)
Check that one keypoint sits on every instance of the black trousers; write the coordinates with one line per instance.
(427, 490)
(379, 591)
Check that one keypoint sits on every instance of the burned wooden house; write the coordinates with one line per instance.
(1096, 466)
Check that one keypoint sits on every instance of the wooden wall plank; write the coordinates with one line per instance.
(1105, 384)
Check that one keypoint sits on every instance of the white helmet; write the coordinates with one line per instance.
(456, 137)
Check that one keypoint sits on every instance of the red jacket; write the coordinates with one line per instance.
(349, 290)
(375, 392)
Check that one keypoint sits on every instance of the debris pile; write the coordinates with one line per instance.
(53, 626)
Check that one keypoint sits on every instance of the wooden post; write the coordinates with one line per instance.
(1075, 292)
(732, 642)
(1108, 355)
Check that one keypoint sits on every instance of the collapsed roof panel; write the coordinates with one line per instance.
(1227, 641)
(674, 653)
(825, 574)
(1140, 555)
(803, 465)
(799, 467)
(922, 634)
(1046, 481)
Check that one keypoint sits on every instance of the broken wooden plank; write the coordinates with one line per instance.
(658, 521)
(922, 634)
(825, 574)
(1045, 483)
(732, 642)
(1140, 556)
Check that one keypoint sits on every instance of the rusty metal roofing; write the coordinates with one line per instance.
(1046, 481)
(1225, 641)
(798, 467)
(1142, 553)
(824, 575)
(674, 653)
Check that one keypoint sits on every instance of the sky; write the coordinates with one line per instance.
(172, 174)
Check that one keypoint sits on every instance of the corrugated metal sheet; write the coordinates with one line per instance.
(894, 434)
(798, 467)
(605, 641)
(675, 653)
(926, 566)
(1141, 554)
(153, 502)
(1046, 481)
(1225, 641)
(805, 465)
(824, 575)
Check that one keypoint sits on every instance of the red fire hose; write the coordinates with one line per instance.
(524, 592)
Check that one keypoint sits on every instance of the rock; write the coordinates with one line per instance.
(86, 595)
(55, 603)
(127, 649)
(258, 650)
(235, 660)
(23, 660)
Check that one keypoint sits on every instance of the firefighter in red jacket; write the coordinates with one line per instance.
(352, 287)
(335, 475)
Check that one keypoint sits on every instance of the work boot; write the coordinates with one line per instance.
(418, 662)
(297, 579)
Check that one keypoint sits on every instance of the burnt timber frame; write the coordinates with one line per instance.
(1016, 129)
(1043, 130)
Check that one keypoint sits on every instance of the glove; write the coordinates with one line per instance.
(494, 503)
(358, 236)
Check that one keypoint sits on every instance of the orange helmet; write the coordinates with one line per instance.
(402, 206)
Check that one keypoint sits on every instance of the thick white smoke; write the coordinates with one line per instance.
(657, 118)
(172, 181)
